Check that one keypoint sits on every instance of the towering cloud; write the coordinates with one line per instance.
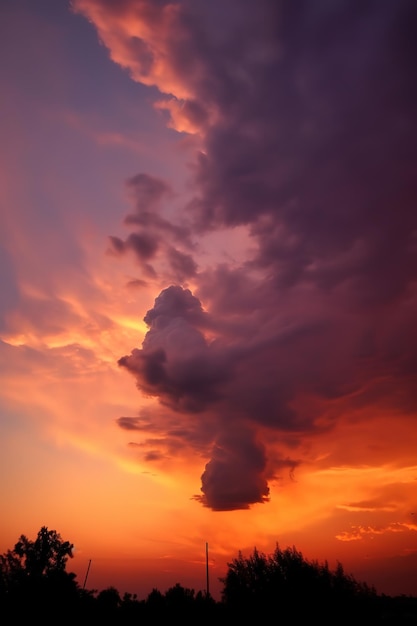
(303, 115)
(191, 375)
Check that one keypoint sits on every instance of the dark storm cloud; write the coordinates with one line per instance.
(238, 472)
(234, 478)
(182, 264)
(165, 434)
(148, 194)
(187, 372)
(316, 154)
(229, 384)
(143, 244)
(175, 302)
(131, 423)
(147, 191)
(306, 114)
(176, 363)
(155, 236)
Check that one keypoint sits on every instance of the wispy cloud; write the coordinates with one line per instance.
(356, 533)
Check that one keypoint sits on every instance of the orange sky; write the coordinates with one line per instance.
(208, 265)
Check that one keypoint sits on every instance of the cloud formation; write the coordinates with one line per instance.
(359, 532)
(304, 118)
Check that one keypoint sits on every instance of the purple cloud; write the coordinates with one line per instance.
(304, 115)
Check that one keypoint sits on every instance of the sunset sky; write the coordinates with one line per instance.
(208, 266)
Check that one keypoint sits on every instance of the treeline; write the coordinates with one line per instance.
(280, 588)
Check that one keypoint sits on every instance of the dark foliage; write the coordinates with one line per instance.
(33, 580)
(288, 582)
(282, 588)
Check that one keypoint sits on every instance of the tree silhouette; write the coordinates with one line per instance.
(35, 571)
(108, 603)
(288, 582)
(282, 587)
(48, 553)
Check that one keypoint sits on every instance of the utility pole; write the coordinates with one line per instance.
(207, 573)
(86, 575)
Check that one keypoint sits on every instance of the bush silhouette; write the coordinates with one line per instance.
(286, 581)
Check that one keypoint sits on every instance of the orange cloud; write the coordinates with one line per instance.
(359, 532)
(140, 37)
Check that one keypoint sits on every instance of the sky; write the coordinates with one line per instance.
(208, 270)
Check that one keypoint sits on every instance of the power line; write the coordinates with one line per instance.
(207, 572)
(86, 575)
